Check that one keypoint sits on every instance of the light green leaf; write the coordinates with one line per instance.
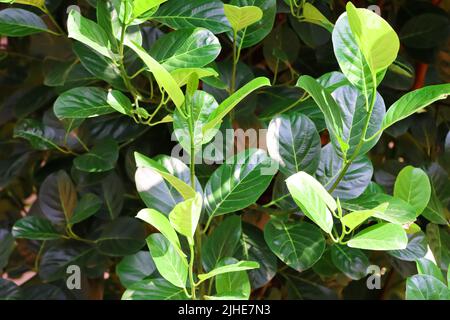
(162, 76)
(185, 216)
(235, 267)
(35, 228)
(89, 33)
(102, 157)
(182, 75)
(330, 109)
(413, 186)
(313, 15)
(88, 205)
(232, 282)
(82, 102)
(172, 266)
(427, 267)
(186, 48)
(119, 102)
(184, 189)
(298, 244)
(15, 22)
(242, 17)
(142, 6)
(315, 202)
(425, 287)
(238, 182)
(414, 101)
(355, 218)
(229, 103)
(381, 236)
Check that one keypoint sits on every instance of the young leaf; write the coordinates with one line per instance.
(229, 103)
(35, 228)
(285, 147)
(89, 33)
(425, 287)
(313, 15)
(238, 183)
(315, 202)
(185, 216)
(119, 102)
(162, 76)
(182, 75)
(82, 102)
(427, 267)
(414, 101)
(355, 218)
(15, 22)
(381, 236)
(299, 245)
(102, 157)
(142, 6)
(186, 48)
(235, 267)
(88, 205)
(328, 106)
(242, 17)
(413, 186)
(184, 189)
(172, 266)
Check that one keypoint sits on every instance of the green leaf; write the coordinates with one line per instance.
(112, 192)
(186, 48)
(88, 205)
(182, 187)
(82, 102)
(6, 247)
(398, 211)
(427, 267)
(208, 14)
(222, 242)
(285, 146)
(142, 6)
(375, 37)
(134, 268)
(160, 222)
(298, 244)
(352, 262)
(229, 103)
(202, 106)
(330, 109)
(257, 31)
(413, 186)
(381, 236)
(89, 33)
(120, 237)
(102, 157)
(172, 266)
(35, 228)
(238, 182)
(313, 15)
(242, 17)
(416, 249)
(58, 197)
(425, 287)
(414, 101)
(41, 137)
(185, 216)
(16, 22)
(182, 75)
(119, 102)
(355, 218)
(235, 267)
(154, 289)
(35, 3)
(438, 239)
(9, 290)
(435, 211)
(236, 283)
(315, 202)
(162, 76)
(356, 178)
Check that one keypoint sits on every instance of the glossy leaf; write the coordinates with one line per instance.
(381, 236)
(355, 218)
(102, 157)
(234, 267)
(352, 262)
(413, 186)
(416, 249)
(88, 205)
(153, 289)
(134, 268)
(119, 102)
(293, 141)
(427, 267)
(300, 244)
(232, 283)
(15, 22)
(425, 287)
(35, 228)
(315, 202)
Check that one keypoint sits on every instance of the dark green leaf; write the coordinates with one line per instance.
(352, 262)
(102, 157)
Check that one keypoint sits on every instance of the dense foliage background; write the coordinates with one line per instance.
(39, 177)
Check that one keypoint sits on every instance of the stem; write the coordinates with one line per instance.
(47, 12)
(38, 257)
(233, 72)
(191, 270)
